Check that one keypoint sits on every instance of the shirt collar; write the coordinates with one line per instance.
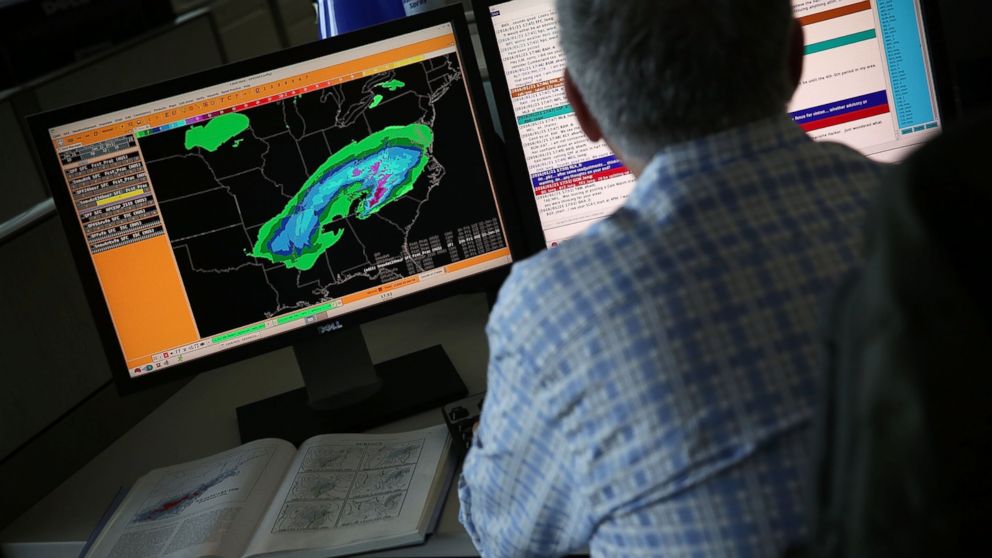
(681, 162)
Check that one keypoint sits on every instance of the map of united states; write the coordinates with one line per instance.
(307, 199)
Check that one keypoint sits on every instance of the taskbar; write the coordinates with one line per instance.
(322, 312)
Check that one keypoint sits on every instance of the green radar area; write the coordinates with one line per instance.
(392, 85)
(357, 181)
(217, 132)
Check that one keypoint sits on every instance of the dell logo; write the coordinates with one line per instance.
(328, 328)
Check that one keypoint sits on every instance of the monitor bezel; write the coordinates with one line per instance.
(939, 62)
(520, 176)
(523, 192)
(489, 280)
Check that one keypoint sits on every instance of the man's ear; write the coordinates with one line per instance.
(797, 52)
(586, 120)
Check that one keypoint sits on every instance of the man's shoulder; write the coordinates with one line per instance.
(572, 284)
(845, 160)
(579, 254)
(555, 307)
(672, 244)
(546, 278)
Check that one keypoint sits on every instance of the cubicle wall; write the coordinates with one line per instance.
(20, 185)
(51, 355)
(58, 407)
(186, 48)
(46, 326)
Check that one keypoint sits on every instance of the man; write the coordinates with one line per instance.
(652, 382)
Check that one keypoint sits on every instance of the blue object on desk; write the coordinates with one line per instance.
(342, 16)
(104, 519)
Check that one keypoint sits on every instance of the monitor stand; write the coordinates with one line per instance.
(345, 392)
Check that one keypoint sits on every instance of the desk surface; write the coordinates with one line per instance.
(200, 420)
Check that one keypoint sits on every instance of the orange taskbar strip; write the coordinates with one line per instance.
(835, 13)
(377, 291)
(539, 87)
(478, 260)
(331, 75)
(146, 299)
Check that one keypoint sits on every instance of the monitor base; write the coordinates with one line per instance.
(410, 384)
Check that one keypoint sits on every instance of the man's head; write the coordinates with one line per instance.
(644, 74)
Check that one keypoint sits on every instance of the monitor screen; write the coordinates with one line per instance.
(282, 198)
(575, 182)
(867, 78)
(867, 83)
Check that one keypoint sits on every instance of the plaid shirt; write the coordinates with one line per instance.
(652, 382)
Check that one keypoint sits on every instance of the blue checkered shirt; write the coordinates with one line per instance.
(652, 382)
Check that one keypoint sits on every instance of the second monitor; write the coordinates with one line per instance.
(868, 82)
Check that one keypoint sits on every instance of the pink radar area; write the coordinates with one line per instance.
(356, 172)
(380, 190)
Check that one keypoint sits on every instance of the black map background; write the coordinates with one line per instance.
(213, 204)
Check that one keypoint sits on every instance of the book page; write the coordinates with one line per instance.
(208, 507)
(345, 492)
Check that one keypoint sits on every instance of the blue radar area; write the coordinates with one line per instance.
(357, 181)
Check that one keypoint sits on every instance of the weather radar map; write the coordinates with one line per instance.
(209, 484)
(294, 203)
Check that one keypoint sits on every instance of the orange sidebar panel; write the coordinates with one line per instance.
(146, 299)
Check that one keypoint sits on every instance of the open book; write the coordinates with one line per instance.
(338, 494)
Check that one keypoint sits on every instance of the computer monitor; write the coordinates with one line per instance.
(264, 203)
(868, 82)
(869, 75)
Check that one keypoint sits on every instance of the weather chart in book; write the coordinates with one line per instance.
(226, 481)
(283, 199)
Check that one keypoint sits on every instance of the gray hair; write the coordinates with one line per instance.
(658, 72)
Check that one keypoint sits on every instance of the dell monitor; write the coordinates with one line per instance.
(868, 82)
(267, 202)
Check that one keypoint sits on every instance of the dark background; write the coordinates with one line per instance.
(38, 36)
